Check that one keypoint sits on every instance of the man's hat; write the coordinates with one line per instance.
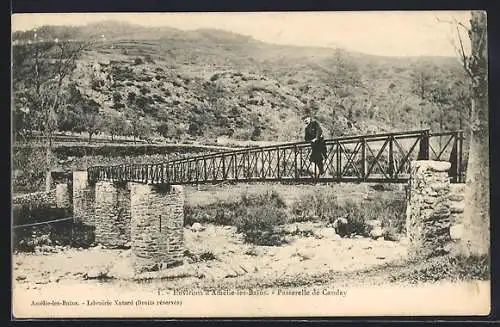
(307, 113)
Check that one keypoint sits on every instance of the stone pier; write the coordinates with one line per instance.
(434, 207)
(147, 218)
(63, 197)
(157, 216)
(112, 214)
(83, 198)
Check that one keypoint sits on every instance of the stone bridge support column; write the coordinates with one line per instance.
(83, 198)
(112, 214)
(428, 215)
(157, 217)
(62, 182)
(63, 196)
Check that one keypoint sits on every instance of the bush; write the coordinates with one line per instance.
(324, 206)
(257, 216)
(117, 97)
(260, 223)
(391, 213)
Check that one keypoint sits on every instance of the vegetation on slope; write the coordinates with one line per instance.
(208, 83)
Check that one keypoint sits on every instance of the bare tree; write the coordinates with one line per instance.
(476, 236)
(41, 69)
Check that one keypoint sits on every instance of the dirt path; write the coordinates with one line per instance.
(217, 254)
(345, 273)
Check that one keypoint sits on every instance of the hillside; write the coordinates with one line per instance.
(210, 83)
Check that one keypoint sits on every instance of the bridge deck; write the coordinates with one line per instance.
(381, 158)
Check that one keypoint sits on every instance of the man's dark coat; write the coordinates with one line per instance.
(313, 131)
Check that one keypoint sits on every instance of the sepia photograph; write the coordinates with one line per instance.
(250, 164)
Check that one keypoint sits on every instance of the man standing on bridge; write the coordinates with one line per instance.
(314, 134)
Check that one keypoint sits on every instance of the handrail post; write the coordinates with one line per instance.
(263, 174)
(249, 174)
(205, 176)
(454, 160)
(223, 158)
(423, 153)
(295, 162)
(363, 157)
(391, 156)
(235, 168)
(278, 162)
(339, 161)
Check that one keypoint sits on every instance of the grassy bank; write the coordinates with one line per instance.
(259, 215)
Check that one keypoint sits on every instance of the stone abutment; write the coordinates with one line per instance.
(434, 210)
(147, 218)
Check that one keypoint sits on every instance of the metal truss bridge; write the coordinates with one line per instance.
(380, 158)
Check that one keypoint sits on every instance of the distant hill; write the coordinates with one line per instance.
(209, 83)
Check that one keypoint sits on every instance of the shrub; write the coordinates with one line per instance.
(324, 205)
(207, 255)
(317, 204)
(145, 78)
(144, 90)
(259, 224)
(117, 97)
(257, 216)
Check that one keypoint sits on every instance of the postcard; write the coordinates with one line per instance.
(258, 164)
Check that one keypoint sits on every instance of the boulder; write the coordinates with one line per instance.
(342, 227)
(376, 232)
(291, 229)
(371, 225)
(327, 233)
(391, 236)
(96, 273)
(122, 269)
(197, 227)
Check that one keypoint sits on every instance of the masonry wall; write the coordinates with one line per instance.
(434, 205)
(157, 215)
(457, 203)
(83, 198)
(62, 195)
(36, 199)
(112, 214)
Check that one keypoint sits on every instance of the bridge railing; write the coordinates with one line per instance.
(377, 158)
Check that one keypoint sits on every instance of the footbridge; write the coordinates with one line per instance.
(381, 158)
(141, 206)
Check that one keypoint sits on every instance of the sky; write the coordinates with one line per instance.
(427, 33)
